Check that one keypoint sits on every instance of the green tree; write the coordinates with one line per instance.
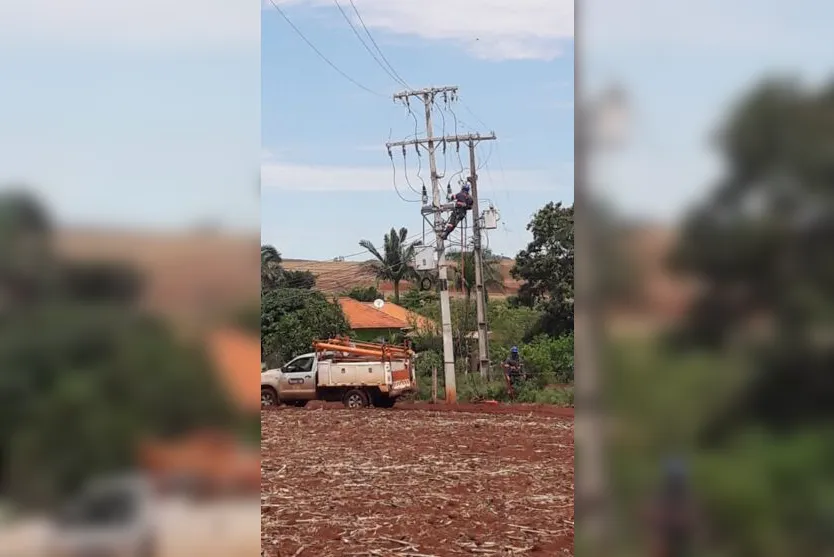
(546, 267)
(291, 319)
(364, 293)
(85, 373)
(759, 247)
(273, 274)
(271, 270)
(297, 279)
(394, 263)
(464, 271)
(418, 300)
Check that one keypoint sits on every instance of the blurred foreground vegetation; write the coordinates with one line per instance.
(743, 388)
(84, 373)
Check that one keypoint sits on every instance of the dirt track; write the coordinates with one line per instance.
(417, 483)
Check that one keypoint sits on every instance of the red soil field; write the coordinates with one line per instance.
(417, 480)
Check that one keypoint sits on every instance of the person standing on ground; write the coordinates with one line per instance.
(513, 370)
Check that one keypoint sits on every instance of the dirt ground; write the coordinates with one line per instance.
(417, 482)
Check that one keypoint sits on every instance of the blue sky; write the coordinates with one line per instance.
(327, 181)
(134, 115)
(684, 64)
(149, 114)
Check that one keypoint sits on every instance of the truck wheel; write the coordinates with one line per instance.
(355, 398)
(269, 397)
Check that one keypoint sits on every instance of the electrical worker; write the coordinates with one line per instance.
(463, 203)
(512, 367)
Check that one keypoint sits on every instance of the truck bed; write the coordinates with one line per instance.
(345, 373)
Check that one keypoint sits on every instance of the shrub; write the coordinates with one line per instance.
(364, 293)
(428, 360)
(549, 360)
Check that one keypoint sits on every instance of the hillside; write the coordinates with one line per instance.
(194, 274)
(338, 276)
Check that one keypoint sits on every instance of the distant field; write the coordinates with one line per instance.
(338, 276)
(192, 274)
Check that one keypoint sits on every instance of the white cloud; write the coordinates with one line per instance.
(280, 175)
(489, 29)
(150, 24)
(747, 25)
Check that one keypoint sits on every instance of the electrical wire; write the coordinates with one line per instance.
(367, 31)
(457, 146)
(322, 56)
(416, 147)
(364, 44)
(442, 132)
(405, 173)
(470, 111)
(396, 189)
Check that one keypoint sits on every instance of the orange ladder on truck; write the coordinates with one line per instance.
(351, 350)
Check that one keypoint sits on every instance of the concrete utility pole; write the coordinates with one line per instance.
(436, 208)
(428, 96)
(480, 291)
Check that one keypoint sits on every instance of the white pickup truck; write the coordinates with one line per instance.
(351, 374)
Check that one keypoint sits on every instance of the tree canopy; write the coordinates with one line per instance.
(292, 314)
(85, 374)
(547, 268)
(760, 248)
(464, 270)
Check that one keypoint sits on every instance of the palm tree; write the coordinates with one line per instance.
(271, 271)
(464, 271)
(394, 263)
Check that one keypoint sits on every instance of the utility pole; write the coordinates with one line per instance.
(480, 291)
(428, 96)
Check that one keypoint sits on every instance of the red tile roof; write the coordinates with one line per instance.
(237, 356)
(364, 316)
(406, 316)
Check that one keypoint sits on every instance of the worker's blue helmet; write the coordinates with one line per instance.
(465, 187)
(514, 349)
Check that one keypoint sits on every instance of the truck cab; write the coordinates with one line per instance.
(295, 383)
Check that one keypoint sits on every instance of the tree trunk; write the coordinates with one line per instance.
(396, 292)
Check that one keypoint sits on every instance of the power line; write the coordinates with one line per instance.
(364, 44)
(367, 31)
(322, 56)
(405, 172)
